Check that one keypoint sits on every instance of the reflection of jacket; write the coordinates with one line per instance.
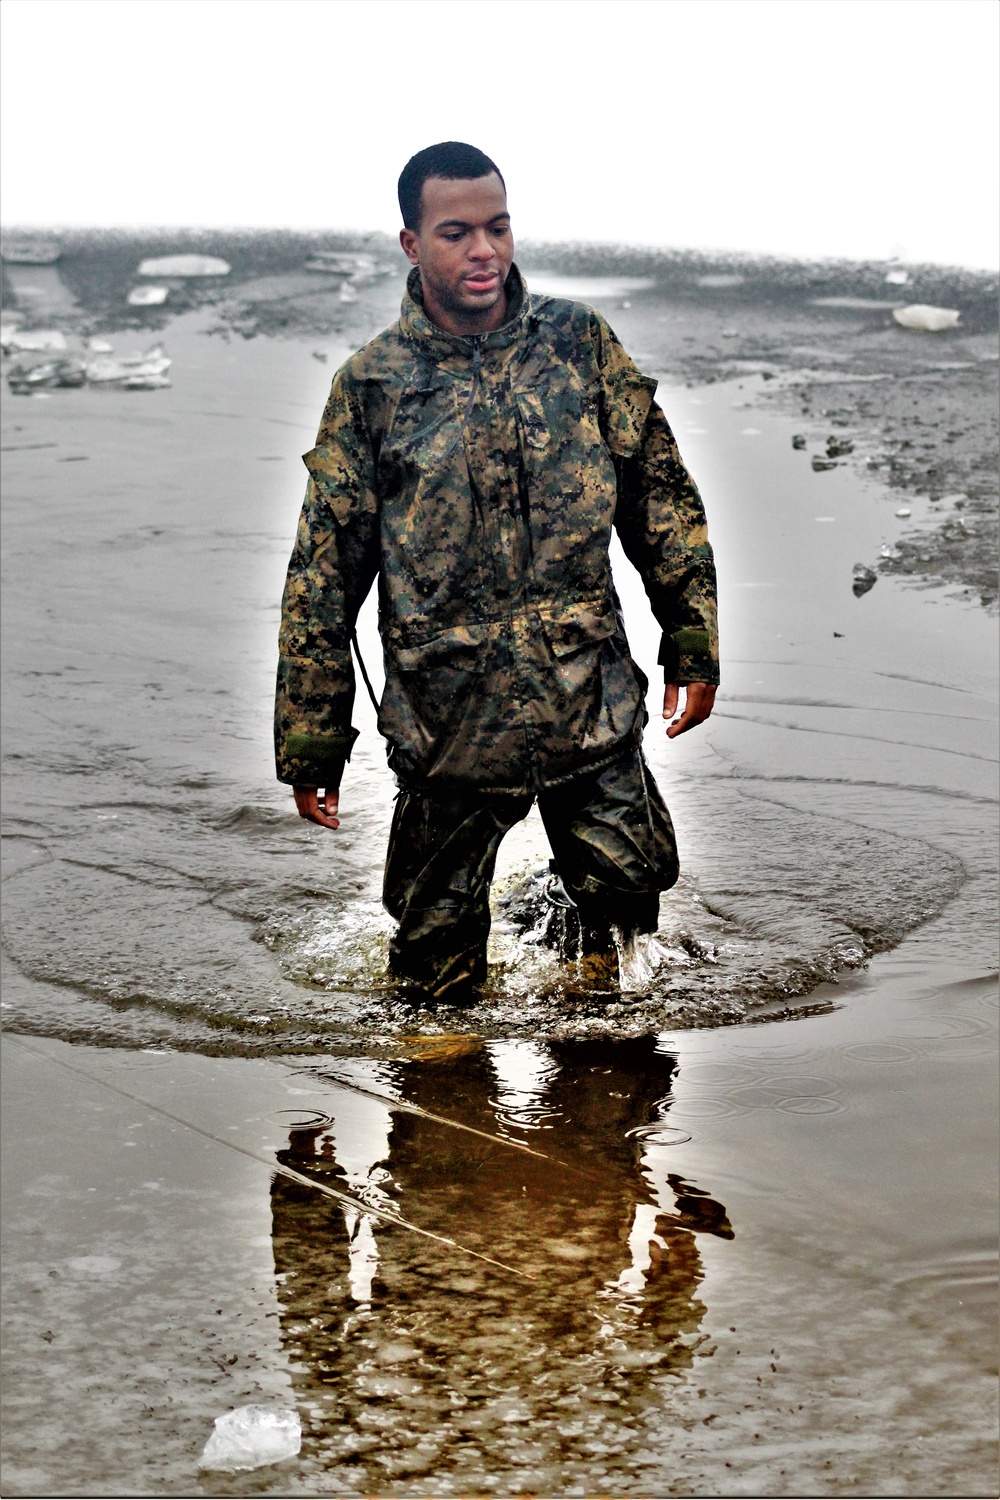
(479, 479)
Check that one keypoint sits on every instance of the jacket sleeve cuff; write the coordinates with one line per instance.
(688, 656)
(313, 759)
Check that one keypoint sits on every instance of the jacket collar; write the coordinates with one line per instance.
(440, 344)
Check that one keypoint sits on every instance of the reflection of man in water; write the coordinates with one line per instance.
(432, 1357)
(474, 458)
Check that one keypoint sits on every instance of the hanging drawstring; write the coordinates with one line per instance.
(364, 670)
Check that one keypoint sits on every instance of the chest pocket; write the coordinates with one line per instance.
(424, 428)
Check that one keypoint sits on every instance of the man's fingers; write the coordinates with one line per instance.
(316, 806)
(671, 693)
(699, 702)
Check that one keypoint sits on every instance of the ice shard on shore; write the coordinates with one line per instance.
(148, 296)
(926, 319)
(184, 265)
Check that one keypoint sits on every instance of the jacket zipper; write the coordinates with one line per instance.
(477, 367)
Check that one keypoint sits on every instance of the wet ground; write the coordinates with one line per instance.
(748, 1249)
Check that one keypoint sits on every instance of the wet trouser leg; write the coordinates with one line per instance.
(614, 848)
(442, 853)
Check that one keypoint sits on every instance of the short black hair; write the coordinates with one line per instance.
(453, 160)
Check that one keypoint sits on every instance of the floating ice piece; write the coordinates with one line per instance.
(347, 293)
(251, 1436)
(897, 278)
(730, 333)
(27, 379)
(904, 511)
(836, 447)
(819, 464)
(926, 319)
(148, 296)
(863, 579)
(100, 346)
(137, 367)
(184, 265)
(798, 441)
(33, 340)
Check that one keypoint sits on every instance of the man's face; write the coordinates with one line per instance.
(464, 250)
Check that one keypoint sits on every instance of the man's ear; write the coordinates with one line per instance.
(409, 239)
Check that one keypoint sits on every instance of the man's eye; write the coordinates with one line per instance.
(454, 237)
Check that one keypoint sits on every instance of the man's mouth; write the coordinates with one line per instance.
(483, 281)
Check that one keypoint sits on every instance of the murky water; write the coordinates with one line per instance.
(161, 888)
(566, 1242)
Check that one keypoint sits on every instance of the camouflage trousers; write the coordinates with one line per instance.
(613, 845)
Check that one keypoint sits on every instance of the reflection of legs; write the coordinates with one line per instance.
(614, 847)
(442, 851)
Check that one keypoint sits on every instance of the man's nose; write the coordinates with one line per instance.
(480, 247)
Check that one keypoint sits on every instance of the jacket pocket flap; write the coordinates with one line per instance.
(461, 648)
(584, 626)
(337, 480)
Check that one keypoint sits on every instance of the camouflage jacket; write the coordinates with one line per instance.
(478, 478)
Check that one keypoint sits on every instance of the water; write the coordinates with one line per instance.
(567, 1242)
(161, 890)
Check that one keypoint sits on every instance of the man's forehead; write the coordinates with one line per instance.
(471, 200)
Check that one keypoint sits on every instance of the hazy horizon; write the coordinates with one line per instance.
(824, 130)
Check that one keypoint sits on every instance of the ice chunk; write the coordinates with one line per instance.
(100, 346)
(904, 511)
(251, 1436)
(153, 365)
(925, 318)
(33, 340)
(148, 296)
(897, 278)
(864, 578)
(25, 379)
(184, 265)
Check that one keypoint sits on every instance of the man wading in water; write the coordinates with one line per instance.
(474, 458)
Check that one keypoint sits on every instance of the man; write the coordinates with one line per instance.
(474, 458)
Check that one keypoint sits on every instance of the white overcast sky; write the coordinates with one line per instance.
(859, 128)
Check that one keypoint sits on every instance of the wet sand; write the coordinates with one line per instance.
(748, 1259)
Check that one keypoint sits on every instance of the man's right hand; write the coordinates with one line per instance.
(319, 807)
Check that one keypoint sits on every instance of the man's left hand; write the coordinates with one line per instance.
(698, 703)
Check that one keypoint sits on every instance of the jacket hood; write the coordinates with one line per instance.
(437, 342)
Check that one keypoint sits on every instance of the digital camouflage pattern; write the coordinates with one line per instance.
(478, 478)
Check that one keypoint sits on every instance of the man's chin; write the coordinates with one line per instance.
(485, 301)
